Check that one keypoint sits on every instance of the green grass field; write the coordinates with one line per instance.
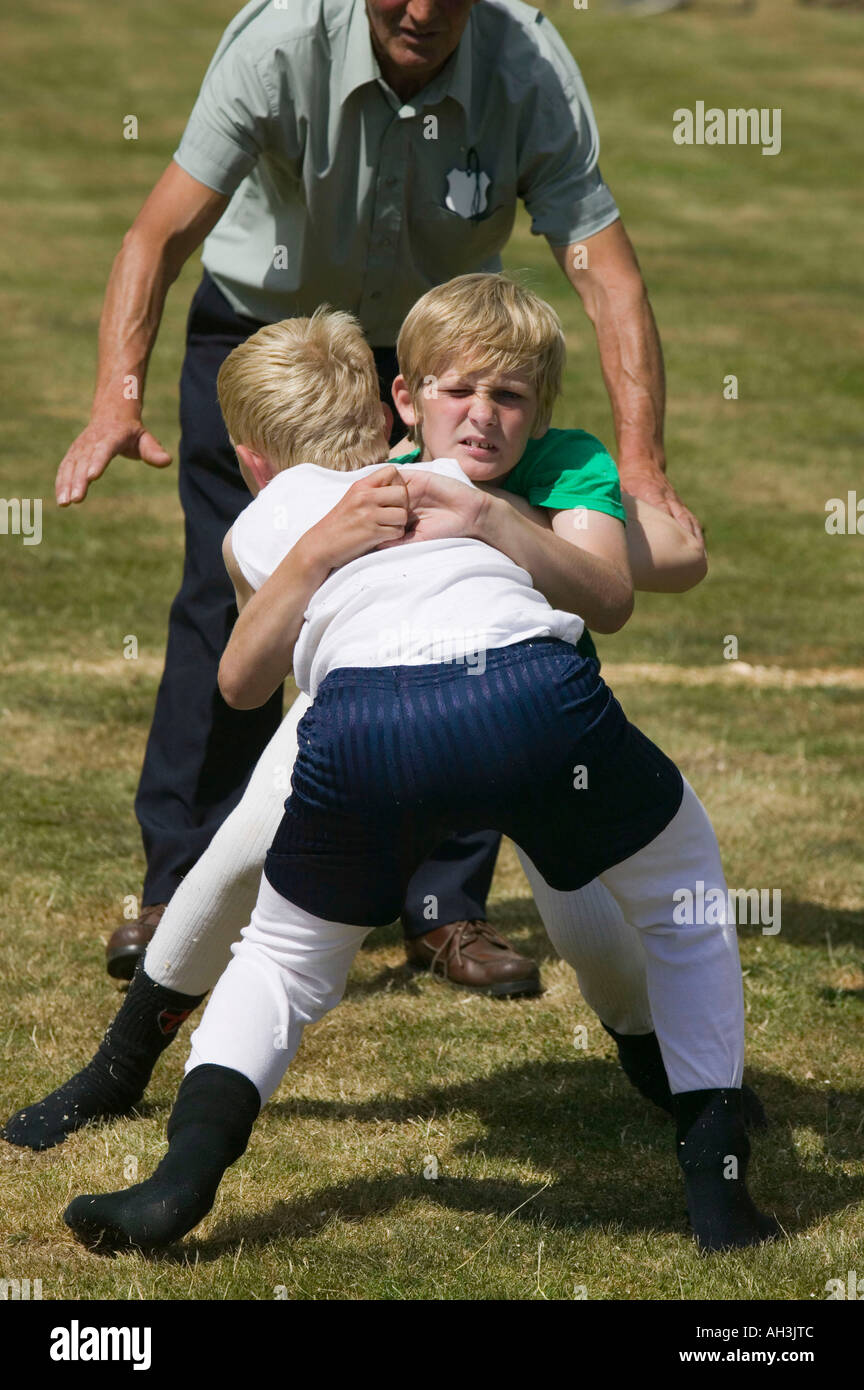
(553, 1174)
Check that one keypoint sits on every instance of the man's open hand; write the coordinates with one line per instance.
(96, 446)
(652, 486)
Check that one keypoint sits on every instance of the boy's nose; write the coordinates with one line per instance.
(482, 410)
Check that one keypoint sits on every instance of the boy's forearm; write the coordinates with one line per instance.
(569, 578)
(665, 558)
(260, 651)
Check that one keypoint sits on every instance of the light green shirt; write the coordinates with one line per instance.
(343, 193)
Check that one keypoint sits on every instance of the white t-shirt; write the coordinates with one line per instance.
(410, 605)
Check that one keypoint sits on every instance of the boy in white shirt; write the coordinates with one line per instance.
(394, 755)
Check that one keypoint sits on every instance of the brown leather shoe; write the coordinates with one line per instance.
(475, 956)
(128, 943)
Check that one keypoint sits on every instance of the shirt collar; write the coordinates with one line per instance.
(360, 65)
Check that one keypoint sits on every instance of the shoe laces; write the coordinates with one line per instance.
(465, 934)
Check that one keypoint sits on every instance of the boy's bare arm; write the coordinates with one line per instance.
(589, 577)
(580, 565)
(665, 558)
(260, 651)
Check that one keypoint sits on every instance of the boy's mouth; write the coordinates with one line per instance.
(479, 448)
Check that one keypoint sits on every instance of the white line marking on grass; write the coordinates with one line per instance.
(625, 672)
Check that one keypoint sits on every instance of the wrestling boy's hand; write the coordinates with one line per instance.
(440, 508)
(373, 512)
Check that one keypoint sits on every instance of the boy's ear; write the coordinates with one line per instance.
(256, 469)
(403, 402)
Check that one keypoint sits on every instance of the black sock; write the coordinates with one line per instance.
(642, 1064)
(713, 1151)
(208, 1130)
(116, 1079)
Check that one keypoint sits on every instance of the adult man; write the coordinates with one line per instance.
(354, 153)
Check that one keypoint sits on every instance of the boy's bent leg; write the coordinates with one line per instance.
(287, 971)
(588, 930)
(192, 944)
(693, 969)
(695, 989)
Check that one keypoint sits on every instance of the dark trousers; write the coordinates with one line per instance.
(200, 754)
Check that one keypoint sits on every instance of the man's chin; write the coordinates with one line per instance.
(418, 60)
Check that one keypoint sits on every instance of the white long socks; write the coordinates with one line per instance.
(693, 968)
(589, 932)
(288, 970)
(192, 944)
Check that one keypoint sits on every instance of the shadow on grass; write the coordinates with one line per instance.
(612, 1153)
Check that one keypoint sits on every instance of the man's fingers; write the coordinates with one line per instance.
(64, 477)
(79, 469)
(93, 450)
(151, 451)
(658, 491)
(684, 517)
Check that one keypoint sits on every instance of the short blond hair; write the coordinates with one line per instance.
(305, 391)
(485, 323)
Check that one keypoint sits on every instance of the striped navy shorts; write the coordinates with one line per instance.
(392, 760)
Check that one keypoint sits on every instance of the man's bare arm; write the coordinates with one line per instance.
(173, 222)
(615, 299)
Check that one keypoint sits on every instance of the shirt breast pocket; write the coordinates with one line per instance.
(446, 244)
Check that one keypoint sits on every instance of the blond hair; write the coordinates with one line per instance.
(305, 391)
(485, 323)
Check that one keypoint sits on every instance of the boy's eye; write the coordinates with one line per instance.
(499, 395)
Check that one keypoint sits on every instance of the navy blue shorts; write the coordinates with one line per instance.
(393, 759)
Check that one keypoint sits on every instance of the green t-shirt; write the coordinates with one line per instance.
(565, 469)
